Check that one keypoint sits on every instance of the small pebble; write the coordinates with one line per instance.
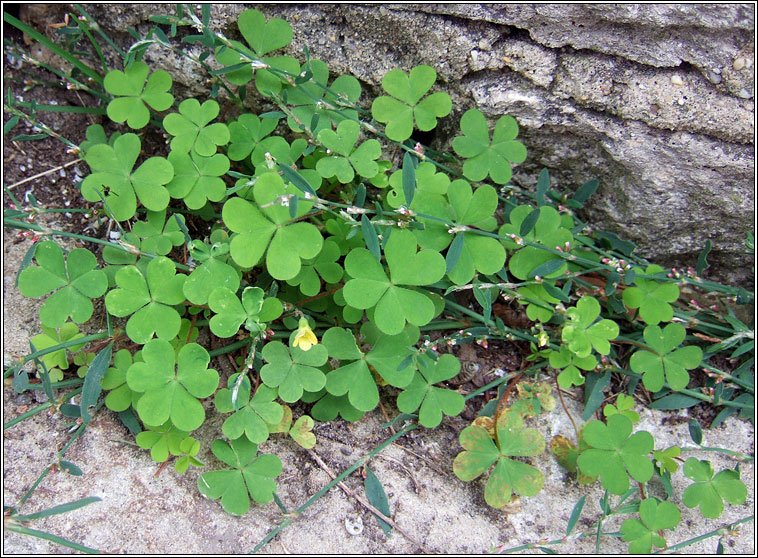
(744, 94)
(714, 78)
(676, 79)
(354, 525)
(739, 63)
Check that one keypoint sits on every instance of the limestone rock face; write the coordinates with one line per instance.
(655, 101)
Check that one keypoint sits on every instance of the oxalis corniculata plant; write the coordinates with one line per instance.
(337, 255)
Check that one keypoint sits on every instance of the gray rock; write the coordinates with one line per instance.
(656, 101)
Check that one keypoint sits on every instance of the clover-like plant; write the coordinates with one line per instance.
(433, 400)
(171, 384)
(158, 235)
(708, 492)
(210, 275)
(354, 377)
(251, 476)
(149, 299)
(405, 106)
(163, 441)
(665, 360)
(246, 133)
(250, 416)
(643, 533)
(343, 159)
(267, 227)
(73, 281)
(583, 333)
(231, 313)
(615, 453)
(324, 265)
(56, 361)
(624, 406)
(113, 177)
(293, 370)
(485, 156)
(509, 475)
(197, 179)
(120, 396)
(370, 287)
(192, 129)
(570, 365)
(132, 93)
(653, 298)
(262, 37)
(316, 106)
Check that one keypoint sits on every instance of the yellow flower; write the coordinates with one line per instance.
(304, 338)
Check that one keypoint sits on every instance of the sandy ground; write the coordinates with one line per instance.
(142, 513)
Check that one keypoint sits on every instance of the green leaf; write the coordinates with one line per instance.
(246, 133)
(377, 497)
(582, 334)
(113, 177)
(197, 179)
(293, 370)
(192, 130)
(652, 297)
(250, 476)
(342, 156)
(73, 282)
(250, 417)
(149, 299)
(708, 491)
(262, 229)
(509, 476)
(549, 230)
(664, 360)
(92, 386)
(312, 101)
(433, 401)
(52, 337)
(120, 396)
(210, 275)
(157, 235)
(484, 157)
(656, 516)
(172, 385)
(162, 441)
(394, 305)
(405, 105)
(615, 453)
(132, 93)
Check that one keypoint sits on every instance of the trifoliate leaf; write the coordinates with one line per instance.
(132, 93)
(73, 282)
(709, 491)
(394, 306)
(509, 475)
(615, 453)
(149, 298)
(192, 130)
(113, 177)
(405, 105)
(172, 384)
(487, 157)
(250, 476)
(652, 297)
(665, 360)
(655, 517)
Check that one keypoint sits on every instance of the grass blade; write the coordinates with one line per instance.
(63, 508)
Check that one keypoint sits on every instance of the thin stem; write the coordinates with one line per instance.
(334, 482)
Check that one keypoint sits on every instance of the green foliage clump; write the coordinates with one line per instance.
(293, 224)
